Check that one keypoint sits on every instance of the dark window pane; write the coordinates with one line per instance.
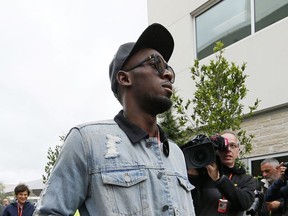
(255, 164)
(228, 21)
(268, 12)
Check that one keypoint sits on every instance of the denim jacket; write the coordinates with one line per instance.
(104, 169)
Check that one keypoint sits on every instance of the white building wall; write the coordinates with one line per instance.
(266, 55)
(266, 52)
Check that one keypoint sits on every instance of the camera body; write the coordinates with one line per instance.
(201, 150)
(257, 204)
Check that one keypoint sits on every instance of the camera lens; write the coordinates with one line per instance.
(200, 156)
(199, 152)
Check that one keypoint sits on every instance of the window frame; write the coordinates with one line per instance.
(208, 5)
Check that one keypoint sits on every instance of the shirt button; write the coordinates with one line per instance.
(165, 208)
(148, 144)
(159, 175)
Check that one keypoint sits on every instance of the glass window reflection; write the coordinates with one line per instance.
(228, 21)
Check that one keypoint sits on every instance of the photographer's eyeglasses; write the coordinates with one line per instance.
(158, 63)
(233, 145)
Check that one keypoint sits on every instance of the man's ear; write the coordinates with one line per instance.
(123, 78)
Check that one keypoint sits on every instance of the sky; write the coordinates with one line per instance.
(54, 60)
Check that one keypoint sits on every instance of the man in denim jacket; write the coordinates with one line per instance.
(125, 166)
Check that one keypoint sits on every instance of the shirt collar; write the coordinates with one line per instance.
(135, 133)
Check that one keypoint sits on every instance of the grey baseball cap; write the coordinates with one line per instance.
(155, 36)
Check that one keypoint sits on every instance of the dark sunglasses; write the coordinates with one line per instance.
(158, 63)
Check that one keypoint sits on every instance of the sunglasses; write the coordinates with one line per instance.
(158, 63)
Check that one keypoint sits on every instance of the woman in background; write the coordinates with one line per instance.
(21, 206)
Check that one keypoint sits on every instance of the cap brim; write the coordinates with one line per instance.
(157, 37)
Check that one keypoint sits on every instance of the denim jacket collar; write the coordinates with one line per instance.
(135, 133)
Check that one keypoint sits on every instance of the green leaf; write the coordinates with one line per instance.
(215, 105)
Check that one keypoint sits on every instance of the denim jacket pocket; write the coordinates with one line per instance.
(127, 191)
(124, 178)
(184, 182)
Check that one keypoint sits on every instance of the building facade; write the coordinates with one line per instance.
(253, 31)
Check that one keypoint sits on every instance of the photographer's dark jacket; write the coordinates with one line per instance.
(239, 191)
(263, 211)
(278, 190)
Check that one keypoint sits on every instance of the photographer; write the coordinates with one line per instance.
(270, 172)
(222, 188)
(278, 190)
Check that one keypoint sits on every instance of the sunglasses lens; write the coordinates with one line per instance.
(170, 69)
(160, 64)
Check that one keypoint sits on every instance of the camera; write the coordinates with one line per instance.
(200, 151)
(257, 204)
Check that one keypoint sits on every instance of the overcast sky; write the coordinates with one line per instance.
(54, 59)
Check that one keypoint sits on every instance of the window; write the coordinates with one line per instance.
(255, 164)
(268, 12)
(233, 20)
(228, 21)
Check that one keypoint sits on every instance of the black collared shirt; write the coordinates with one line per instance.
(136, 134)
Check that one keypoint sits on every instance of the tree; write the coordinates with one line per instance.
(174, 126)
(52, 157)
(2, 193)
(216, 106)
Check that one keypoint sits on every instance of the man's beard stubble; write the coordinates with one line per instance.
(158, 105)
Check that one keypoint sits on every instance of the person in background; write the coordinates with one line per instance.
(224, 189)
(125, 166)
(21, 206)
(5, 203)
(270, 172)
(278, 190)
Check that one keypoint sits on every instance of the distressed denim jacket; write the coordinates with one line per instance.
(104, 169)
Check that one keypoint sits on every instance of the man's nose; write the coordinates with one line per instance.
(228, 148)
(169, 75)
